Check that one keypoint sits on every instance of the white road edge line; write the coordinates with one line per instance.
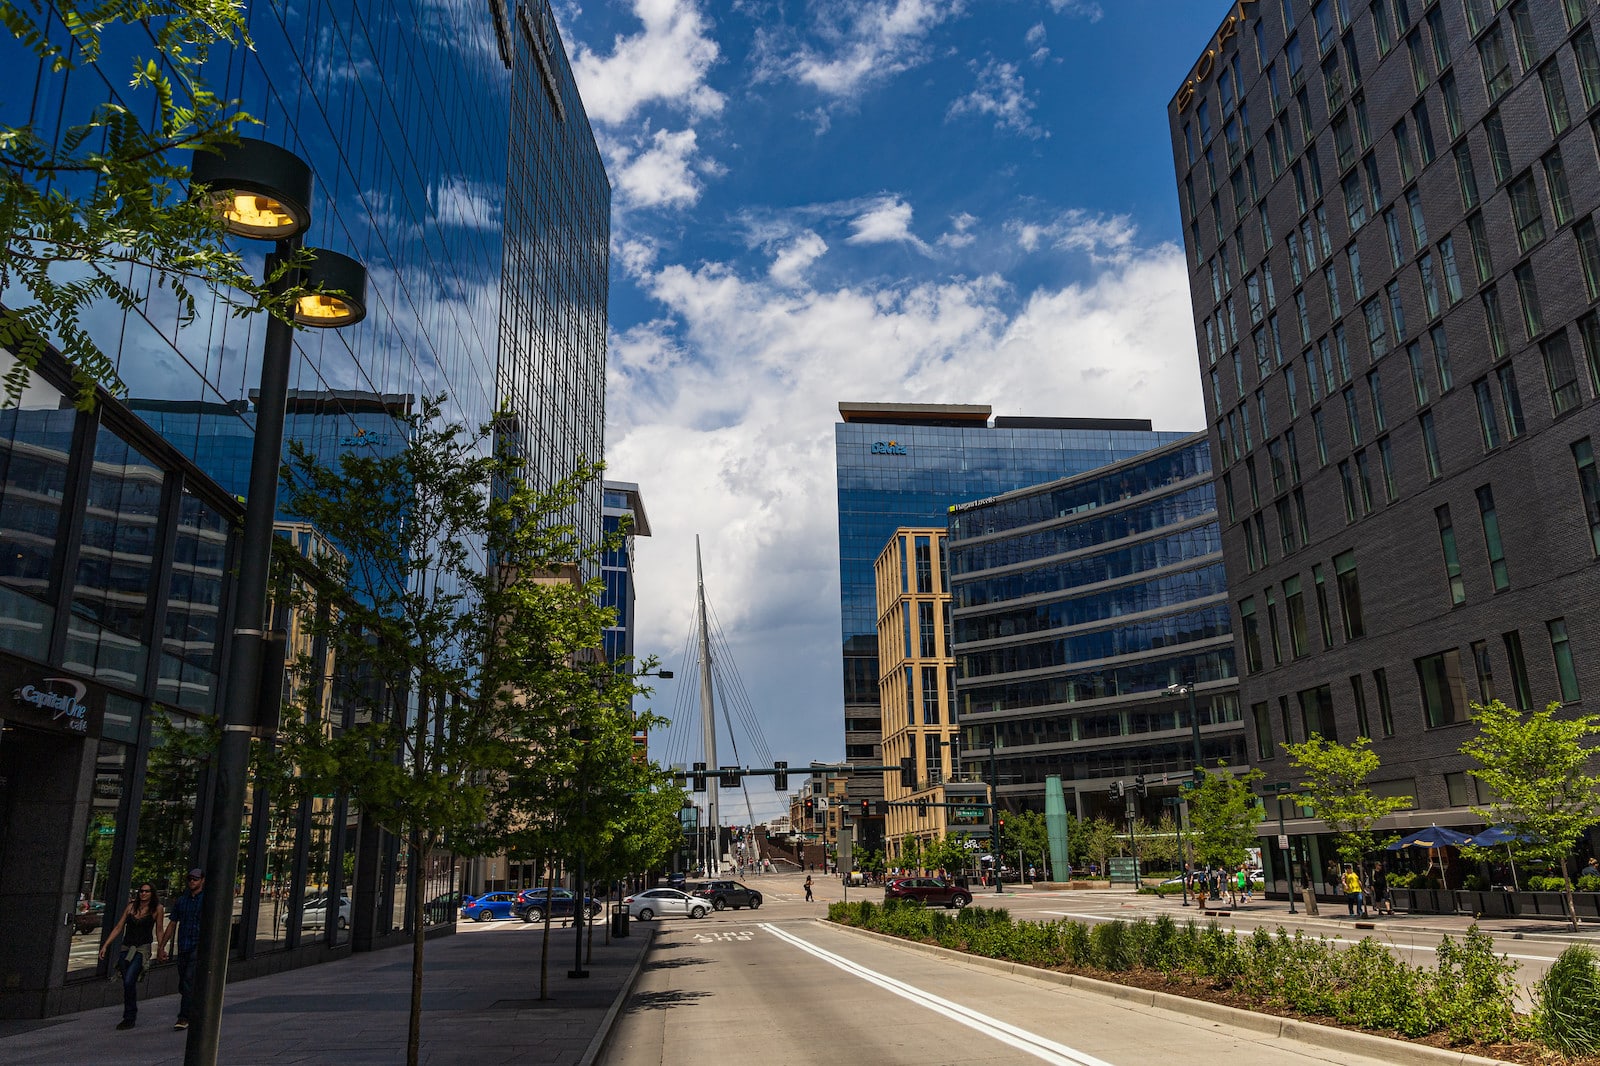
(1021, 1039)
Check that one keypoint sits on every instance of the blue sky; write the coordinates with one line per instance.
(905, 200)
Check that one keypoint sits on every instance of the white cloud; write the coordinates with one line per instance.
(1035, 39)
(723, 410)
(1088, 9)
(472, 205)
(658, 170)
(789, 266)
(885, 221)
(1001, 95)
(863, 43)
(667, 62)
(1106, 238)
(960, 234)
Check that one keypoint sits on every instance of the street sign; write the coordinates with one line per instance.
(822, 803)
(971, 812)
(1121, 870)
(1283, 841)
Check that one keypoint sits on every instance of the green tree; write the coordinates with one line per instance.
(1535, 765)
(911, 849)
(1158, 844)
(108, 199)
(467, 653)
(1335, 788)
(1098, 840)
(1223, 815)
(1026, 834)
(949, 853)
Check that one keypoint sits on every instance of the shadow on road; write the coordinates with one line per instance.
(664, 1000)
(675, 963)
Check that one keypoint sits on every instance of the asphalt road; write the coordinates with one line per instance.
(806, 992)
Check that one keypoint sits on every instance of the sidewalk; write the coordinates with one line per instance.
(480, 1006)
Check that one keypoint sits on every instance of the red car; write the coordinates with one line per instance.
(928, 890)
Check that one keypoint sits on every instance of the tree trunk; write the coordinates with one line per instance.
(1572, 904)
(418, 938)
(544, 944)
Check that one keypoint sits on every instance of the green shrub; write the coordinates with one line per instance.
(1474, 883)
(1112, 948)
(1402, 880)
(1380, 991)
(1538, 883)
(1567, 1003)
(1591, 883)
(1473, 993)
(1077, 943)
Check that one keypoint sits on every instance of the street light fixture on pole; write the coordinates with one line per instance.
(263, 192)
(1187, 689)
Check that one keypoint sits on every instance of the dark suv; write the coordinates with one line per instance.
(729, 894)
(928, 890)
(532, 903)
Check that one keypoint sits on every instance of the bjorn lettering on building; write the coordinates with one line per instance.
(1207, 64)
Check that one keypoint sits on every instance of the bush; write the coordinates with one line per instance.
(1474, 883)
(1546, 884)
(1591, 883)
(1567, 1003)
(1474, 991)
(1402, 880)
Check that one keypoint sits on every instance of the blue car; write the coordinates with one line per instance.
(490, 905)
(533, 903)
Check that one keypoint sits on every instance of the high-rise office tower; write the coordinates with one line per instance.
(905, 465)
(1388, 209)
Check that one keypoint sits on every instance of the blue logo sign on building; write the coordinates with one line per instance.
(887, 447)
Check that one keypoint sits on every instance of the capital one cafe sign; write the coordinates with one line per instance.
(46, 700)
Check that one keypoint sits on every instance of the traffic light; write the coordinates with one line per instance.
(908, 772)
(1116, 790)
(810, 809)
(699, 777)
(922, 808)
(1002, 821)
(1138, 783)
(780, 776)
(728, 776)
(864, 809)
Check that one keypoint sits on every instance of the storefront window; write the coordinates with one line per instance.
(35, 442)
(99, 844)
(111, 597)
(179, 750)
(190, 631)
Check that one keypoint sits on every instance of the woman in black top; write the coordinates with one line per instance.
(141, 926)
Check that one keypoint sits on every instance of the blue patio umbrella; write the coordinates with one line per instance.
(1432, 837)
(1498, 835)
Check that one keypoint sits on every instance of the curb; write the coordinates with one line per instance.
(1400, 1052)
(609, 1022)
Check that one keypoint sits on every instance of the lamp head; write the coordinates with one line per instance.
(343, 299)
(260, 190)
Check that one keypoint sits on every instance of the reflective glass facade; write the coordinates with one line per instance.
(1077, 604)
(452, 157)
(907, 468)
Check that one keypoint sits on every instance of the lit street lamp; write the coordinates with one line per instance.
(263, 192)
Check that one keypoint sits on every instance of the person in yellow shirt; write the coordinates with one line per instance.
(1352, 893)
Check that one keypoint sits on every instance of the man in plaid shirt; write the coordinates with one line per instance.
(184, 925)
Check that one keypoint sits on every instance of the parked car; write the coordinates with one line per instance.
(439, 909)
(665, 903)
(315, 913)
(928, 890)
(89, 920)
(723, 894)
(533, 903)
(489, 905)
(677, 880)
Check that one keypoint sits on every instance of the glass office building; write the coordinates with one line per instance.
(906, 465)
(1076, 604)
(435, 134)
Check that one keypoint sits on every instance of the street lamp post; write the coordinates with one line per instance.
(1187, 689)
(994, 804)
(263, 192)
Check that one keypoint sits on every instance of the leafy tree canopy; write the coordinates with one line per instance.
(1335, 788)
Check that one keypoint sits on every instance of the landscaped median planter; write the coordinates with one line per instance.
(1467, 1004)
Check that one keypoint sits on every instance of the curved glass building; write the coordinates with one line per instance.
(1076, 604)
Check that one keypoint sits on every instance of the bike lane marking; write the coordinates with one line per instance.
(1040, 1047)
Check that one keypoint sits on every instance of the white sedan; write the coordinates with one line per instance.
(665, 902)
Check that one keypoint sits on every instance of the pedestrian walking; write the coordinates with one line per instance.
(808, 889)
(1244, 885)
(140, 927)
(1381, 902)
(183, 926)
(1352, 893)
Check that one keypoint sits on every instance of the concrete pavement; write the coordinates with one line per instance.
(480, 1006)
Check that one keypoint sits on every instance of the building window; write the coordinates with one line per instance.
(1344, 567)
(1482, 259)
(1261, 716)
(1555, 97)
(1497, 74)
(1588, 57)
(1488, 423)
(1444, 695)
(1397, 247)
(1324, 616)
(927, 642)
(1519, 669)
(1522, 27)
(1498, 347)
(930, 695)
(1465, 176)
(1441, 357)
(1589, 486)
(1588, 255)
(1452, 558)
(1561, 650)
(1499, 151)
(1560, 374)
(1589, 333)
(1555, 173)
(1430, 446)
(1316, 713)
(1491, 539)
(1452, 273)
(1528, 299)
(1272, 629)
(1252, 634)
(1294, 605)
(1511, 400)
(1430, 286)
(1358, 696)
(1525, 212)
(1380, 682)
(1386, 461)
(1419, 378)
(1347, 482)
(1459, 789)
(1485, 669)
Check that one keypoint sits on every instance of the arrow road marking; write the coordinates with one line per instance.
(1035, 1045)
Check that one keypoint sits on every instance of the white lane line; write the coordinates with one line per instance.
(1425, 948)
(1035, 1045)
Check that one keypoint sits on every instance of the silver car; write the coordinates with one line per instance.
(665, 903)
